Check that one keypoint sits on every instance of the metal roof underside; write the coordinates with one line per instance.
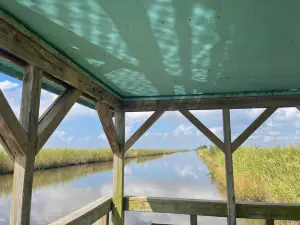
(164, 49)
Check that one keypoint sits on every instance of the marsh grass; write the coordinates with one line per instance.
(55, 158)
(260, 174)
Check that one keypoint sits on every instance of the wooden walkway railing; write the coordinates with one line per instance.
(99, 210)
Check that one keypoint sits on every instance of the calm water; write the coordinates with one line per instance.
(61, 191)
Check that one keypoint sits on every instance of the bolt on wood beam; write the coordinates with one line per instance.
(231, 208)
(12, 134)
(53, 116)
(252, 128)
(148, 123)
(109, 128)
(201, 127)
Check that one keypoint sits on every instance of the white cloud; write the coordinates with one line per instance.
(7, 85)
(183, 130)
(62, 136)
(218, 131)
(274, 132)
(102, 136)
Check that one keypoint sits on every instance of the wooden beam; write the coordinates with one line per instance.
(252, 128)
(53, 116)
(240, 102)
(24, 165)
(118, 171)
(269, 222)
(108, 125)
(216, 208)
(148, 123)
(201, 127)
(12, 134)
(193, 219)
(87, 214)
(231, 213)
(298, 107)
(29, 48)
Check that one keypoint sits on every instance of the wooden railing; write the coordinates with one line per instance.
(267, 211)
(99, 210)
(89, 214)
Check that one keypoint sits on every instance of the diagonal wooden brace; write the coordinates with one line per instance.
(50, 120)
(252, 128)
(210, 135)
(12, 135)
(148, 123)
(108, 125)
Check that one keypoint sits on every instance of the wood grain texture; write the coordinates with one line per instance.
(231, 217)
(118, 171)
(193, 219)
(87, 214)
(252, 128)
(217, 208)
(104, 220)
(148, 123)
(108, 125)
(31, 50)
(13, 136)
(241, 102)
(24, 165)
(56, 112)
(201, 127)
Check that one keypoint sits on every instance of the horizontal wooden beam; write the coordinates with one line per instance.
(87, 214)
(108, 126)
(241, 102)
(31, 49)
(148, 123)
(56, 112)
(13, 136)
(252, 128)
(249, 210)
(201, 127)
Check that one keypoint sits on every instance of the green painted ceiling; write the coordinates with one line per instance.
(174, 48)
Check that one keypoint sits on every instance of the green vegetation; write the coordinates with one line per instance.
(260, 174)
(54, 158)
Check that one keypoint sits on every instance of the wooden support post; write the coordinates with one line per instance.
(231, 211)
(104, 220)
(269, 222)
(24, 165)
(193, 219)
(118, 171)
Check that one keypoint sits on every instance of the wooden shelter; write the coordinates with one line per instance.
(133, 56)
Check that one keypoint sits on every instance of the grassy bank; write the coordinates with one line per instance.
(55, 158)
(260, 174)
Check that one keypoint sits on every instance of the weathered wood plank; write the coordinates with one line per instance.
(240, 102)
(148, 123)
(104, 220)
(118, 171)
(217, 208)
(53, 116)
(231, 218)
(87, 214)
(24, 165)
(193, 219)
(252, 128)
(269, 222)
(201, 127)
(32, 50)
(108, 125)
(11, 131)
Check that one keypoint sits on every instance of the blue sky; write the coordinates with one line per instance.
(82, 129)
